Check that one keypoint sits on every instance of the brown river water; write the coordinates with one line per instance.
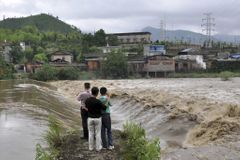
(189, 125)
(24, 110)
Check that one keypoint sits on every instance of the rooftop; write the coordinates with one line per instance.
(130, 33)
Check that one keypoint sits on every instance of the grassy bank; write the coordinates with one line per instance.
(129, 144)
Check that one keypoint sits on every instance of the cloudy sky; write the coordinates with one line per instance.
(131, 15)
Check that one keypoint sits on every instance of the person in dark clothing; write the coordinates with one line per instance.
(95, 108)
(84, 113)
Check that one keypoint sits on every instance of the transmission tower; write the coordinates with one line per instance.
(162, 30)
(208, 26)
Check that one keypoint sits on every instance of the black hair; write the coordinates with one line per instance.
(103, 90)
(95, 91)
(87, 85)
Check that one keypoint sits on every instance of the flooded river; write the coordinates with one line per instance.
(24, 110)
(25, 106)
(195, 119)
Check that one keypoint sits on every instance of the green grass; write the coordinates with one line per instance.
(53, 137)
(136, 146)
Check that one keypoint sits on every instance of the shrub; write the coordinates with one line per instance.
(54, 133)
(226, 75)
(115, 65)
(45, 73)
(6, 69)
(68, 74)
(136, 146)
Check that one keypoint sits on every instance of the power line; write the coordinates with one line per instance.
(162, 30)
(208, 27)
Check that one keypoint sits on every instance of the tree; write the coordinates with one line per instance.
(6, 70)
(46, 73)
(28, 54)
(115, 65)
(16, 53)
(40, 57)
(100, 38)
(112, 40)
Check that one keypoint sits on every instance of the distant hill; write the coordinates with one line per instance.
(189, 36)
(43, 22)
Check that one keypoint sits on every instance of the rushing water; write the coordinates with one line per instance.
(172, 132)
(25, 106)
(24, 110)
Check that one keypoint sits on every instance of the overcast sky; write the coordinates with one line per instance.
(131, 15)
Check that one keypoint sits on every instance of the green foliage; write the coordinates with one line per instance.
(68, 74)
(45, 73)
(54, 133)
(28, 54)
(226, 75)
(54, 140)
(42, 22)
(112, 40)
(6, 69)
(226, 66)
(41, 57)
(115, 65)
(100, 38)
(41, 154)
(16, 53)
(136, 146)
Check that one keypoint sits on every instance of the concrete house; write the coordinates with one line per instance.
(159, 66)
(189, 60)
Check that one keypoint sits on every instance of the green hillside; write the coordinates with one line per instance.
(43, 22)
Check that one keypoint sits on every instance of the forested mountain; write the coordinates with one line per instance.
(43, 22)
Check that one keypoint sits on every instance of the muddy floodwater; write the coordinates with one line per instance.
(195, 119)
(24, 109)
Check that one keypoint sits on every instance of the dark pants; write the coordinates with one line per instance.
(84, 116)
(106, 129)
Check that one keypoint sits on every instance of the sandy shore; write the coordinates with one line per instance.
(213, 103)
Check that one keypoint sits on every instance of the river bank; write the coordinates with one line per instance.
(200, 112)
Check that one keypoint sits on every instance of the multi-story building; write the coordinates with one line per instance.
(133, 37)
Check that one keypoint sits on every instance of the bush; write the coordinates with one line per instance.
(45, 73)
(226, 75)
(136, 146)
(115, 66)
(54, 133)
(6, 69)
(68, 74)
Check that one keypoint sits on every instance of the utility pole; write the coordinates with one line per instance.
(162, 30)
(208, 26)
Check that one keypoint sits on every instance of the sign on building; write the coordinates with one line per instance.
(152, 50)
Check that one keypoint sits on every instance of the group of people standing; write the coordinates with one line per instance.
(96, 119)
